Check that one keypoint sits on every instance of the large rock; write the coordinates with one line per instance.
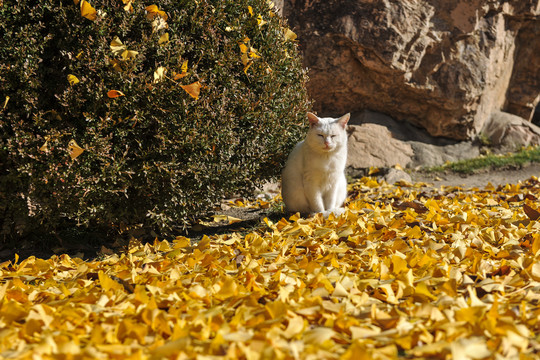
(377, 140)
(442, 65)
(372, 145)
(507, 132)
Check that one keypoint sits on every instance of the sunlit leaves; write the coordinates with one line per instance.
(117, 46)
(247, 53)
(158, 17)
(128, 5)
(184, 67)
(457, 278)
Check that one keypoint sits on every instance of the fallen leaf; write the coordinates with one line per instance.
(290, 35)
(154, 11)
(87, 11)
(74, 149)
(114, 94)
(159, 74)
(530, 212)
(163, 39)
(117, 46)
(193, 89)
(72, 79)
(129, 54)
(5, 103)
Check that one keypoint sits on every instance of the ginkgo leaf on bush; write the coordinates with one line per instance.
(87, 10)
(74, 149)
(114, 93)
(193, 89)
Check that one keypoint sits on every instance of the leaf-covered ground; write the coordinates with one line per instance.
(407, 271)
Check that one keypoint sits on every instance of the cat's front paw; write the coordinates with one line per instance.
(336, 211)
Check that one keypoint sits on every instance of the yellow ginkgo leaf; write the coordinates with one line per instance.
(154, 11)
(72, 79)
(129, 54)
(128, 5)
(88, 11)
(290, 35)
(107, 283)
(192, 89)
(117, 46)
(260, 21)
(116, 64)
(163, 39)
(179, 76)
(243, 48)
(253, 53)
(244, 58)
(74, 149)
(159, 74)
(5, 102)
(114, 94)
(44, 147)
(250, 9)
(184, 67)
(159, 23)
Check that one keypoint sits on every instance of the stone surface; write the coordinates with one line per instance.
(442, 65)
(372, 145)
(523, 93)
(394, 175)
(377, 140)
(507, 132)
(429, 155)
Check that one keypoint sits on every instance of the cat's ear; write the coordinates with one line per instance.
(342, 121)
(313, 119)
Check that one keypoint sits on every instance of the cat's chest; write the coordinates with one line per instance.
(323, 167)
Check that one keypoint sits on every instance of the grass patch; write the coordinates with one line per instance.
(492, 161)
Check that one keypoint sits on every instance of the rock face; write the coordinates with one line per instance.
(376, 140)
(507, 132)
(372, 145)
(439, 64)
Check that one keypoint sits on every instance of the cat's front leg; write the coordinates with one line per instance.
(315, 199)
(330, 199)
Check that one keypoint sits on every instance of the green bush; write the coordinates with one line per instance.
(118, 81)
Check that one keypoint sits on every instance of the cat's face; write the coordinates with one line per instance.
(327, 134)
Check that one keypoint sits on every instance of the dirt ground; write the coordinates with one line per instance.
(480, 179)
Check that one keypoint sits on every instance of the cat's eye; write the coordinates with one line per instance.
(321, 135)
(333, 136)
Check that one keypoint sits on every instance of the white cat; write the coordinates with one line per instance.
(313, 179)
